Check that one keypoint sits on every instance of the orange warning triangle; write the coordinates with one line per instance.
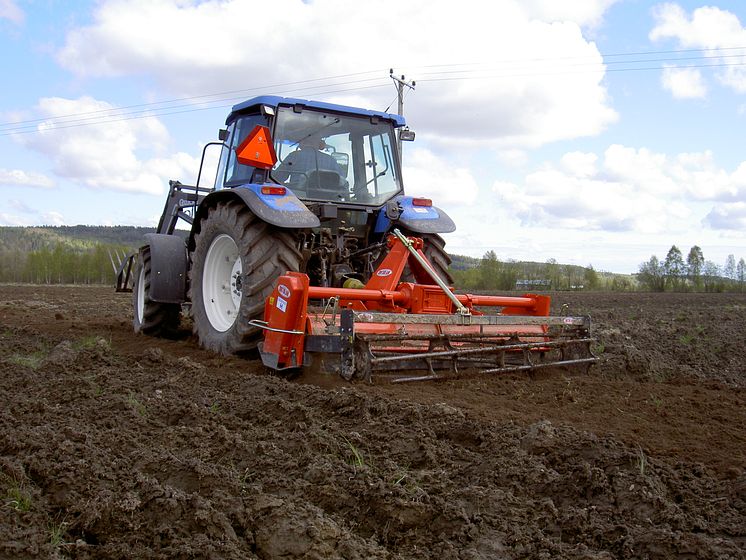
(257, 150)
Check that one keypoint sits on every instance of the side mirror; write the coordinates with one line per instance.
(222, 134)
(406, 135)
(392, 210)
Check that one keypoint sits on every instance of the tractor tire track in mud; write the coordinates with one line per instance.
(114, 445)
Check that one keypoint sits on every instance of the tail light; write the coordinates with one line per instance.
(279, 191)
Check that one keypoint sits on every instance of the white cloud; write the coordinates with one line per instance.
(513, 101)
(512, 157)
(707, 27)
(684, 83)
(579, 164)
(52, 219)
(31, 218)
(729, 216)
(631, 190)
(20, 178)
(585, 13)
(9, 10)
(427, 175)
(7, 219)
(106, 156)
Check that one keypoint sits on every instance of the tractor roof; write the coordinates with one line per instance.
(275, 101)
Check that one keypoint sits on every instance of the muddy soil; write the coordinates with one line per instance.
(114, 445)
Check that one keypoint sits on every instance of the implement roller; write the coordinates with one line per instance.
(414, 331)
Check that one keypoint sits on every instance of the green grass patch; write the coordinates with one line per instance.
(355, 456)
(93, 342)
(31, 361)
(17, 497)
(686, 339)
(136, 405)
(57, 532)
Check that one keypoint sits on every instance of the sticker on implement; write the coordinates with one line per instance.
(284, 291)
(282, 304)
(568, 320)
(384, 272)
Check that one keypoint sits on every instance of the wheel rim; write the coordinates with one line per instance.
(221, 283)
(140, 307)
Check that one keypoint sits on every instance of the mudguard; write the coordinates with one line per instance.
(168, 268)
(417, 219)
(285, 211)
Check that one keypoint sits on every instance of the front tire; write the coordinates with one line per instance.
(237, 258)
(151, 317)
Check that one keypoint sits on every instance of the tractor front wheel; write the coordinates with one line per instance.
(236, 259)
(151, 317)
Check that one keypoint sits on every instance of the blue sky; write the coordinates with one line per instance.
(592, 132)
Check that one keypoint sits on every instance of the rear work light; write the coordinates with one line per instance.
(281, 191)
(422, 202)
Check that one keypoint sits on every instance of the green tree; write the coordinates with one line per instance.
(674, 268)
(741, 273)
(590, 278)
(489, 270)
(651, 275)
(711, 277)
(695, 261)
(552, 273)
(729, 270)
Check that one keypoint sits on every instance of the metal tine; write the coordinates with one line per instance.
(478, 350)
(505, 369)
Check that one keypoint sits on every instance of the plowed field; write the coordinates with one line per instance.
(114, 445)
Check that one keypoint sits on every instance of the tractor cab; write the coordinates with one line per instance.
(324, 152)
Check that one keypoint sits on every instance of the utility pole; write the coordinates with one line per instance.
(400, 84)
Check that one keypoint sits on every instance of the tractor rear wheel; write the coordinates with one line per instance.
(435, 252)
(151, 317)
(236, 259)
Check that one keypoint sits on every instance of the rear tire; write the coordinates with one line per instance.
(151, 317)
(236, 259)
(435, 252)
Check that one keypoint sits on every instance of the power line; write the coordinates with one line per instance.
(168, 106)
(563, 73)
(66, 125)
(604, 64)
(97, 116)
(194, 97)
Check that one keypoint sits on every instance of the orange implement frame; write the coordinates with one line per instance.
(391, 326)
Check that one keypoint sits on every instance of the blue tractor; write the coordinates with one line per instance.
(323, 204)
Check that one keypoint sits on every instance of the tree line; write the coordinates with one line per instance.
(492, 274)
(60, 264)
(693, 274)
(65, 254)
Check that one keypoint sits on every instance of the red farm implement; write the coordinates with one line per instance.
(414, 331)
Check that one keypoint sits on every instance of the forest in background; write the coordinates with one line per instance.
(82, 255)
(64, 254)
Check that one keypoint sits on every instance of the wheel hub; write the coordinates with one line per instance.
(222, 282)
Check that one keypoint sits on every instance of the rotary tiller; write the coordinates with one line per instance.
(414, 331)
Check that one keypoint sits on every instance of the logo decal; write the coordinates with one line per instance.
(282, 305)
(284, 290)
(384, 272)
